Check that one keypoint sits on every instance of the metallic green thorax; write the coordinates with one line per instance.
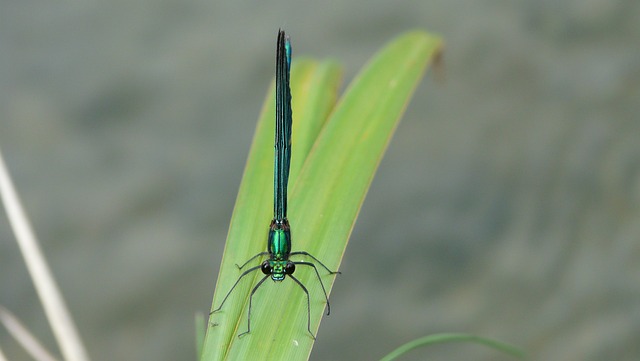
(279, 248)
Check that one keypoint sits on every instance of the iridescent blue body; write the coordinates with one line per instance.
(278, 266)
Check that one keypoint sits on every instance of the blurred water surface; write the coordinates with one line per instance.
(508, 204)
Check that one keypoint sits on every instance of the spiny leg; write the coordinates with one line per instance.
(319, 279)
(234, 286)
(315, 259)
(308, 305)
(252, 258)
(250, 299)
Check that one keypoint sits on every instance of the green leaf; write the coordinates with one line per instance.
(334, 158)
(453, 337)
(314, 87)
(199, 322)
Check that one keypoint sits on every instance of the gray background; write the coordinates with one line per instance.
(508, 204)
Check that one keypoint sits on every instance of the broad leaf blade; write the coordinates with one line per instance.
(327, 195)
(314, 86)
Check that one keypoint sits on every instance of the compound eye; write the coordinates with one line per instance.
(266, 268)
(289, 268)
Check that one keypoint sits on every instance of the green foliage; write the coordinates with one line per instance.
(453, 337)
(335, 153)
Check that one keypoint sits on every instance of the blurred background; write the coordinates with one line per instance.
(508, 204)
